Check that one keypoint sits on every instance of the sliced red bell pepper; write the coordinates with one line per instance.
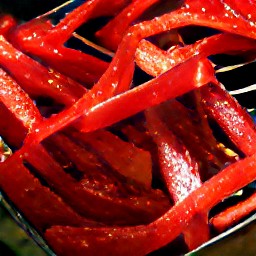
(73, 63)
(36, 79)
(141, 240)
(7, 22)
(85, 68)
(89, 9)
(18, 102)
(180, 173)
(111, 34)
(245, 9)
(164, 87)
(131, 162)
(233, 214)
(92, 199)
(155, 61)
(17, 110)
(231, 117)
(38, 203)
(200, 141)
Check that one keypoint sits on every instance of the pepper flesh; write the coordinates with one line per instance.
(112, 100)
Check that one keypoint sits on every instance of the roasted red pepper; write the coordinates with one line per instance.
(90, 168)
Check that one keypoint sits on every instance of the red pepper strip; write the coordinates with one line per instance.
(187, 15)
(141, 240)
(40, 206)
(131, 162)
(90, 9)
(179, 170)
(18, 102)
(180, 173)
(11, 129)
(200, 141)
(87, 162)
(92, 200)
(166, 86)
(114, 75)
(155, 61)
(18, 112)
(233, 214)
(66, 152)
(139, 138)
(75, 64)
(79, 66)
(247, 9)
(45, 82)
(234, 120)
(111, 35)
(218, 15)
(7, 22)
(191, 13)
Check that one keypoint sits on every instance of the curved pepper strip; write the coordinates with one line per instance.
(232, 215)
(191, 13)
(247, 9)
(89, 9)
(131, 162)
(180, 174)
(200, 141)
(141, 240)
(19, 111)
(86, 68)
(231, 117)
(7, 22)
(38, 203)
(166, 86)
(33, 199)
(26, 71)
(91, 201)
(155, 61)
(157, 25)
(223, 110)
(111, 34)
(28, 118)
